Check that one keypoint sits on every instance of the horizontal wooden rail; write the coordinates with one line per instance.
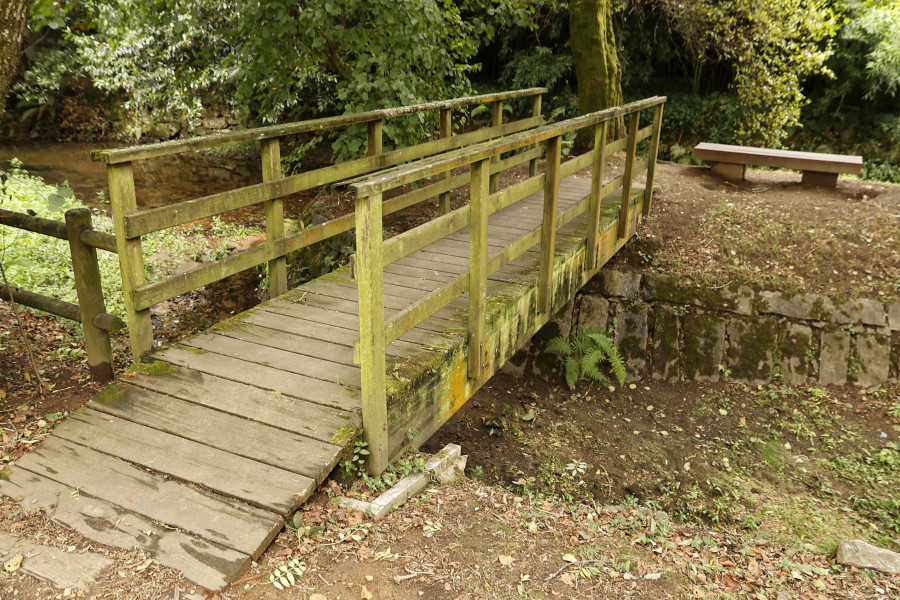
(48, 227)
(275, 131)
(54, 306)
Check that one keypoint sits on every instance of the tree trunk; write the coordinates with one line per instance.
(594, 52)
(13, 18)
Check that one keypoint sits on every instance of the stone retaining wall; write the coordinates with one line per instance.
(673, 330)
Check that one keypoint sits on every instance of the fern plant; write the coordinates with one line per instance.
(588, 353)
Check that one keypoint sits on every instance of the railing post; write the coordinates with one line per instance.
(651, 156)
(90, 295)
(496, 121)
(131, 257)
(369, 271)
(630, 150)
(478, 229)
(270, 150)
(535, 112)
(599, 156)
(376, 129)
(548, 228)
(445, 131)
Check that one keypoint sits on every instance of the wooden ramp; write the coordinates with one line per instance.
(198, 459)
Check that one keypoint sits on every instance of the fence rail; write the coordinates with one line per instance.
(90, 311)
(373, 253)
(131, 224)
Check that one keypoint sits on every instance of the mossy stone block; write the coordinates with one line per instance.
(666, 335)
(631, 338)
(796, 359)
(702, 346)
(834, 357)
(593, 312)
(751, 346)
(874, 353)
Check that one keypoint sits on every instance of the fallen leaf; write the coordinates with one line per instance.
(567, 579)
(652, 576)
(13, 564)
(505, 560)
(569, 558)
(318, 597)
(365, 594)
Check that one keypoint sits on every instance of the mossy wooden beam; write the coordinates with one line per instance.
(479, 190)
(548, 228)
(598, 156)
(275, 131)
(445, 130)
(370, 279)
(270, 152)
(48, 227)
(89, 290)
(628, 175)
(651, 158)
(131, 258)
(535, 112)
(496, 121)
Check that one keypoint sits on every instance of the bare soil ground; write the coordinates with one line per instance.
(566, 486)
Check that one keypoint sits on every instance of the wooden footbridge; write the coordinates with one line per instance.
(199, 454)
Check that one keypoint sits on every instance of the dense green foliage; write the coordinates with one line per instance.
(741, 71)
(589, 353)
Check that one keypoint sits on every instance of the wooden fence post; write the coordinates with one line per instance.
(90, 295)
(131, 257)
(270, 150)
(599, 157)
(630, 150)
(369, 270)
(548, 228)
(496, 121)
(651, 156)
(478, 228)
(535, 112)
(445, 131)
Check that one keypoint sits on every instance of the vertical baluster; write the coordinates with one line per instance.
(375, 137)
(445, 131)
(651, 156)
(496, 121)
(270, 152)
(478, 228)
(630, 149)
(535, 112)
(370, 283)
(131, 257)
(90, 295)
(548, 228)
(599, 156)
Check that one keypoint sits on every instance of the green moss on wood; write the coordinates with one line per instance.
(156, 367)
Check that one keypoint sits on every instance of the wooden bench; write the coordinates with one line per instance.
(730, 162)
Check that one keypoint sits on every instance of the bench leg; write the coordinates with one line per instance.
(729, 171)
(817, 178)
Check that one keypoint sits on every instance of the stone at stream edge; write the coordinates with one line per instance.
(857, 553)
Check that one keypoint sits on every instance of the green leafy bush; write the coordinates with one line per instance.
(587, 354)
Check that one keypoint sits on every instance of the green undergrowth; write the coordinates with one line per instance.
(43, 265)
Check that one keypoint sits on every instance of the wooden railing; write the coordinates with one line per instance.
(90, 310)
(484, 160)
(131, 223)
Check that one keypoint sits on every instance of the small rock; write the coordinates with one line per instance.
(857, 553)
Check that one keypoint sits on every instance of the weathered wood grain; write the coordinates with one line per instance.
(250, 481)
(242, 437)
(227, 522)
(203, 562)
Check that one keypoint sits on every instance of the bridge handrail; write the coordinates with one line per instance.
(373, 253)
(120, 155)
(131, 223)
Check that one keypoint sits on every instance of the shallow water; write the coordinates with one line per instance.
(158, 181)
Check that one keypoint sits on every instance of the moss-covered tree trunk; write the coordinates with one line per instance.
(13, 17)
(594, 51)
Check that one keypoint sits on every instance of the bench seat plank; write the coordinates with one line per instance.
(782, 159)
